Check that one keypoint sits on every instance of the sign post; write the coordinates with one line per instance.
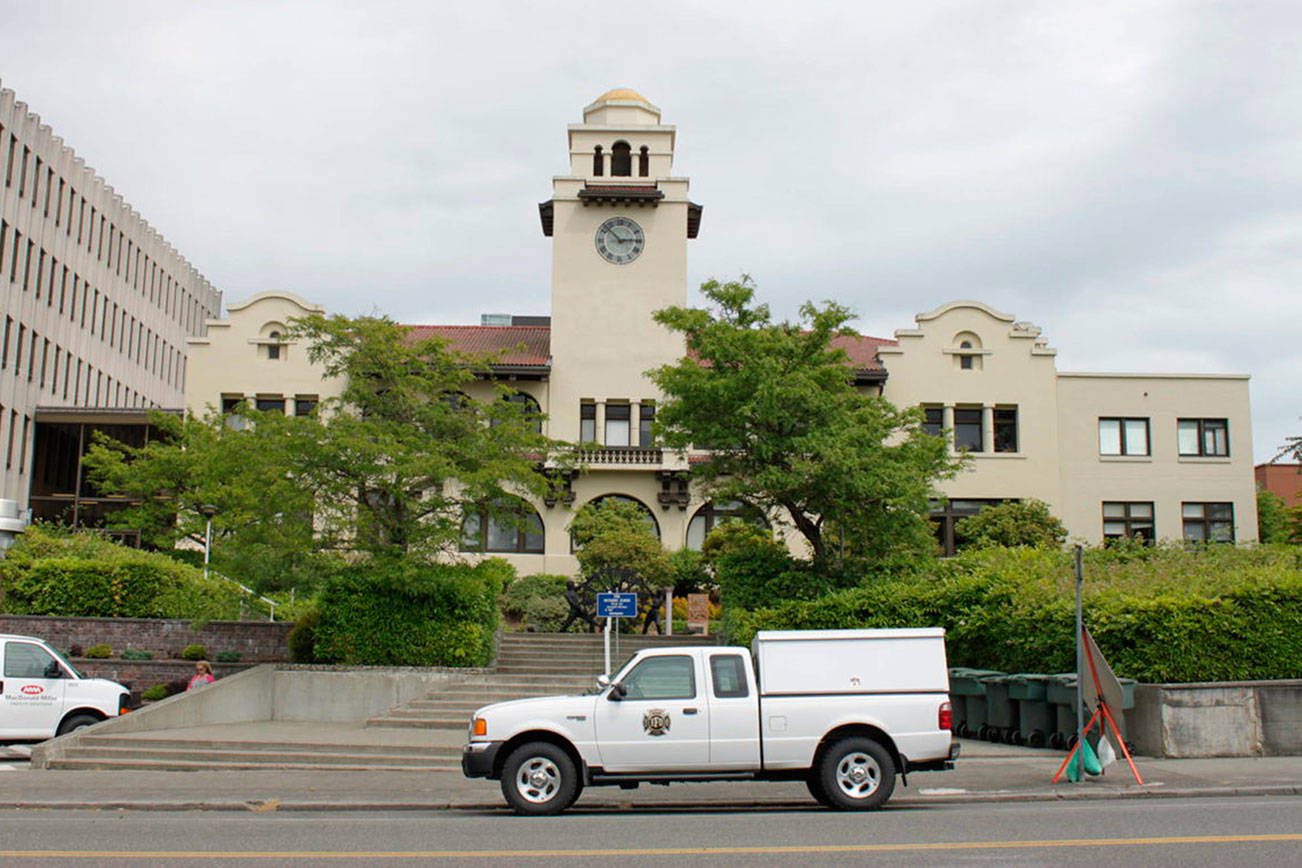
(611, 605)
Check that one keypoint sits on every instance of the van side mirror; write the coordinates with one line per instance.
(53, 670)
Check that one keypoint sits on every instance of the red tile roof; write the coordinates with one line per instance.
(508, 345)
(862, 350)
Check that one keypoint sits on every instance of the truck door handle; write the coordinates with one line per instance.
(689, 711)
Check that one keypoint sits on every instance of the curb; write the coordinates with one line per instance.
(270, 805)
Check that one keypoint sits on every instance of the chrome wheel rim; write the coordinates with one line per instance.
(538, 780)
(858, 775)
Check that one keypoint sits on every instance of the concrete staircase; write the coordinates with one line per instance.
(528, 664)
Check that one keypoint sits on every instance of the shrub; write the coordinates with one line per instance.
(99, 652)
(137, 654)
(400, 613)
(155, 693)
(537, 600)
(1024, 523)
(1166, 615)
(228, 657)
(302, 639)
(53, 572)
(194, 652)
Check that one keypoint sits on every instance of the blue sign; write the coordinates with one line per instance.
(610, 605)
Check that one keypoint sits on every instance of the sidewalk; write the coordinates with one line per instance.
(985, 773)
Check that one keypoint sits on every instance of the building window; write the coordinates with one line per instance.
(1208, 522)
(271, 404)
(618, 417)
(511, 527)
(933, 421)
(528, 408)
(644, 162)
(965, 359)
(597, 168)
(1123, 437)
(967, 430)
(712, 515)
(304, 405)
(587, 422)
(646, 417)
(1204, 437)
(648, 517)
(1005, 429)
(945, 514)
(273, 350)
(1129, 520)
(621, 159)
(967, 351)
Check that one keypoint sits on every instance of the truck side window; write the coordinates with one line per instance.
(23, 660)
(668, 677)
(729, 675)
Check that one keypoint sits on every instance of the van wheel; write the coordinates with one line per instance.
(77, 721)
(857, 774)
(539, 779)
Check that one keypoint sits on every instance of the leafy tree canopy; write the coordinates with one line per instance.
(613, 538)
(786, 428)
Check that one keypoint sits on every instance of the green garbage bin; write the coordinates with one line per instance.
(1061, 693)
(1001, 713)
(967, 685)
(1035, 716)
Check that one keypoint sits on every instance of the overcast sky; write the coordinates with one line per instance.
(1125, 175)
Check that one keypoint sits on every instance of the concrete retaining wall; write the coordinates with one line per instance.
(273, 692)
(1247, 718)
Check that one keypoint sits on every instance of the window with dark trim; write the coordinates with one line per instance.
(618, 418)
(712, 514)
(598, 167)
(305, 404)
(587, 422)
(1203, 437)
(271, 404)
(967, 430)
(512, 528)
(1005, 429)
(728, 676)
(621, 159)
(1129, 520)
(1123, 436)
(1208, 522)
(644, 162)
(646, 417)
(529, 408)
(945, 514)
(965, 359)
(933, 420)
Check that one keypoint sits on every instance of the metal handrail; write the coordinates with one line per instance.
(271, 604)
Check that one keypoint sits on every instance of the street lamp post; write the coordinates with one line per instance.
(207, 510)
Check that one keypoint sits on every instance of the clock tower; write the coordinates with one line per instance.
(619, 224)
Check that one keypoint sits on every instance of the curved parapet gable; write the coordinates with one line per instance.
(279, 295)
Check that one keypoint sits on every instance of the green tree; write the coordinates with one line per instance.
(1017, 523)
(786, 428)
(615, 536)
(1273, 519)
(385, 469)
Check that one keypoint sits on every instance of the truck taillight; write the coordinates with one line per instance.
(945, 719)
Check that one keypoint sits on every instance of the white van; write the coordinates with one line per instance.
(42, 695)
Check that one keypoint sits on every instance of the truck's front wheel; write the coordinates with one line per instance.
(857, 774)
(539, 778)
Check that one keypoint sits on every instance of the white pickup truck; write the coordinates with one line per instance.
(843, 710)
(42, 695)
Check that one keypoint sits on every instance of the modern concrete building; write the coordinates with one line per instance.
(1154, 456)
(96, 308)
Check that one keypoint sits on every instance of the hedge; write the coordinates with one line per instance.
(537, 601)
(53, 572)
(1161, 615)
(408, 614)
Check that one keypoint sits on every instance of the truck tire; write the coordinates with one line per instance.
(77, 721)
(539, 779)
(857, 774)
(815, 784)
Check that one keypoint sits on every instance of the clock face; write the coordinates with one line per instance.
(619, 240)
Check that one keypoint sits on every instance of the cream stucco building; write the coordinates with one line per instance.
(1157, 456)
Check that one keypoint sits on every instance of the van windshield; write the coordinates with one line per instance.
(66, 665)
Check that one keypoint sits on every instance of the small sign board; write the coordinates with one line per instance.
(698, 613)
(616, 605)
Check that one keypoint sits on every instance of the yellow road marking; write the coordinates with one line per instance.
(653, 851)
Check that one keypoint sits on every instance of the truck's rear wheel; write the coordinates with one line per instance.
(539, 778)
(857, 774)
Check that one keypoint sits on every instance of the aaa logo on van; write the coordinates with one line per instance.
(656, 721)
(32, 689)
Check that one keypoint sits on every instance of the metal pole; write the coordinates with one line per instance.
(1080, 658)
(207, 545)
(607, 643)
(669, 612)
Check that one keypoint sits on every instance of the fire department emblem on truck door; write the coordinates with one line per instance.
(656, 721)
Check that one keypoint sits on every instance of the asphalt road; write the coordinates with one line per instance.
(1210, 831)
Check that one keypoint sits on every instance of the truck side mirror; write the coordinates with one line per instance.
(603, 681)
(617, 692)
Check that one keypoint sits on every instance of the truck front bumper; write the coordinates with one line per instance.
(478, 757)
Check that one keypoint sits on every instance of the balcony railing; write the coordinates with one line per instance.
(640, 455)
